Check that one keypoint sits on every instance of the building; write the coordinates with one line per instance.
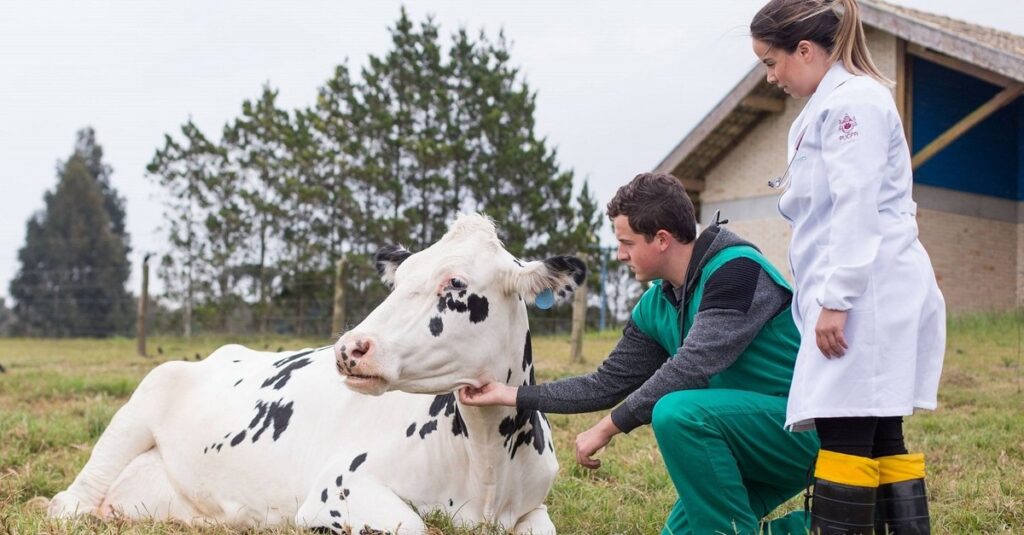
(958, 88)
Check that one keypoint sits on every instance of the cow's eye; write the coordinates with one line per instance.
(457, 283)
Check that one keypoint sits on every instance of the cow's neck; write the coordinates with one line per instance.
(494, 431)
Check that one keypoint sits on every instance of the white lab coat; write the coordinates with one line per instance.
(855, 248)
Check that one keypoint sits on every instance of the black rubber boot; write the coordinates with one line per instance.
(902, 509)
(838, 509)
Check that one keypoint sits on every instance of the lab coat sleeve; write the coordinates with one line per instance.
(855, 148)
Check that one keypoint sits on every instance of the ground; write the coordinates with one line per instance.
(57, 396)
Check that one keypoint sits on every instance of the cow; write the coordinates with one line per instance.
(359, 437)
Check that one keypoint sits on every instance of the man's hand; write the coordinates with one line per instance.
(489, 394)
(590, 441)
(829, 333)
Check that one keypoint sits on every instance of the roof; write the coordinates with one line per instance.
(753, 99)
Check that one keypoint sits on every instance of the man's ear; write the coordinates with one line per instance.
(560, 274)
(387, 259)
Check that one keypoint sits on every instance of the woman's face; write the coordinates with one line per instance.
(798, 73)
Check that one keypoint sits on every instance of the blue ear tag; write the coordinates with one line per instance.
(545, 299)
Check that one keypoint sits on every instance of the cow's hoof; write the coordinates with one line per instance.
(65, 505)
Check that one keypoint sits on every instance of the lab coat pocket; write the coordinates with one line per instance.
(860, 329)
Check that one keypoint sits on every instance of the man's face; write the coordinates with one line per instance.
(643, 257)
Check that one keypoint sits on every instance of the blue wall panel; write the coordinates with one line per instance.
(989, 159)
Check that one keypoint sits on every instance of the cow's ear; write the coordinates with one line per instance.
(560, 274)
(387, 259)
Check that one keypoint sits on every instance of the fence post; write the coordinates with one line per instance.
(579, 321)
(338, 317)
(143, 299)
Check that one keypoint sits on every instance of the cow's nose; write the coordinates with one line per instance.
(351, 349)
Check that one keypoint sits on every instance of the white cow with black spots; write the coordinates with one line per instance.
(251, 438)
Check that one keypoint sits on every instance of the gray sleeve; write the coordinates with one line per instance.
(721, 331)
(635, 358)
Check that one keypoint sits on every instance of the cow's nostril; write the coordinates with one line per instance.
(362, 348)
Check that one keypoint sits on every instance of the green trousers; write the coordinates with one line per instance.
(731, 461)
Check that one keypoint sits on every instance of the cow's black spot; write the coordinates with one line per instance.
(411, 429)
(343, 494)
(561, 293)
(451, 502)
(518, 263)
(323, 496)
(527, 352)
(444, 401)
(462, 293)
(477, 308)
(509, 376)
(335, 514)
(238, 439)
(440, 304)
(457, 306)
(226, 435)
(337, 525)
(237, 382)
(321, 529)
(533, 377)
(291, 358)
(568, 288)
(206, 449)
(436, 326)
(219, 446)
(568, 265)
(428, 428)
(236, 361)
(391, 254)
(275, 413)
(459, 425)
(358, 460)
(515, 427)
(338, 480)
(284, 374)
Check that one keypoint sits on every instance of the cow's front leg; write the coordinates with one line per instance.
(357, 505)
(536, 522)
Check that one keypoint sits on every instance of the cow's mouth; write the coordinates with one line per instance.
(365, 382)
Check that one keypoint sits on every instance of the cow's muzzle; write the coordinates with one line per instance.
(354, 356)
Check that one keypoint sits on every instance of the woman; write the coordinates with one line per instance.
(871, 317)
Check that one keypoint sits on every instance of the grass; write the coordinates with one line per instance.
(58, 395)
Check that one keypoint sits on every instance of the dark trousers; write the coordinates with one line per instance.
(863, 436)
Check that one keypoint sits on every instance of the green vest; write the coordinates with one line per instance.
(765, 366)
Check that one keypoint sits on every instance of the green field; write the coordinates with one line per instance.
(57, 396)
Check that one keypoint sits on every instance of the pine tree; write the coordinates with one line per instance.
(74, 265)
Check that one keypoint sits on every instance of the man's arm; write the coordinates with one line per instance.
(739, 298)
(635, 358)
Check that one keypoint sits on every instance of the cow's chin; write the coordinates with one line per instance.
(370, 385)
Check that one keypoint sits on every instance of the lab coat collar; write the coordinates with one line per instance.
(836, 76)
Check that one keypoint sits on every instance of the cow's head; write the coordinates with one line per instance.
(456, 314)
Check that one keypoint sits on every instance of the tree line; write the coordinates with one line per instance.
(257, 216)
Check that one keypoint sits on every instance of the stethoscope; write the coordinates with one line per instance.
(782, 182)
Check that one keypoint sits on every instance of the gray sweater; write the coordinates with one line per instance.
(739, 298)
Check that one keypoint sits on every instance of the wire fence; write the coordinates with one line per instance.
(73, 305)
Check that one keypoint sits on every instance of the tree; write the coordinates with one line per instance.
(74, 264)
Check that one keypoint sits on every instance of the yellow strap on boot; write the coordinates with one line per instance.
(897, 468)
(846, 469)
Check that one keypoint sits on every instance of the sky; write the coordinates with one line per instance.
(618, 83)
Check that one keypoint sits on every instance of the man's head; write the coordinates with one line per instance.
(651, 215)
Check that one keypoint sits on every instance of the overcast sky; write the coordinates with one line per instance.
(618, 83)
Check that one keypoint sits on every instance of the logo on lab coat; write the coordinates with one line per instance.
(847, 127)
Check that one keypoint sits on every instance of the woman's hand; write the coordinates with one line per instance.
(829, 333)
(590, 441)
(489, 394)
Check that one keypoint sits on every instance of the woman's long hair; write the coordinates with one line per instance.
(833, 24)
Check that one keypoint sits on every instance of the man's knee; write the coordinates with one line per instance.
(676, 411)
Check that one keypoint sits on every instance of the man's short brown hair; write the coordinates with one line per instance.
(655, 201)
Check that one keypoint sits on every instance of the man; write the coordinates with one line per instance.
(706, 359)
